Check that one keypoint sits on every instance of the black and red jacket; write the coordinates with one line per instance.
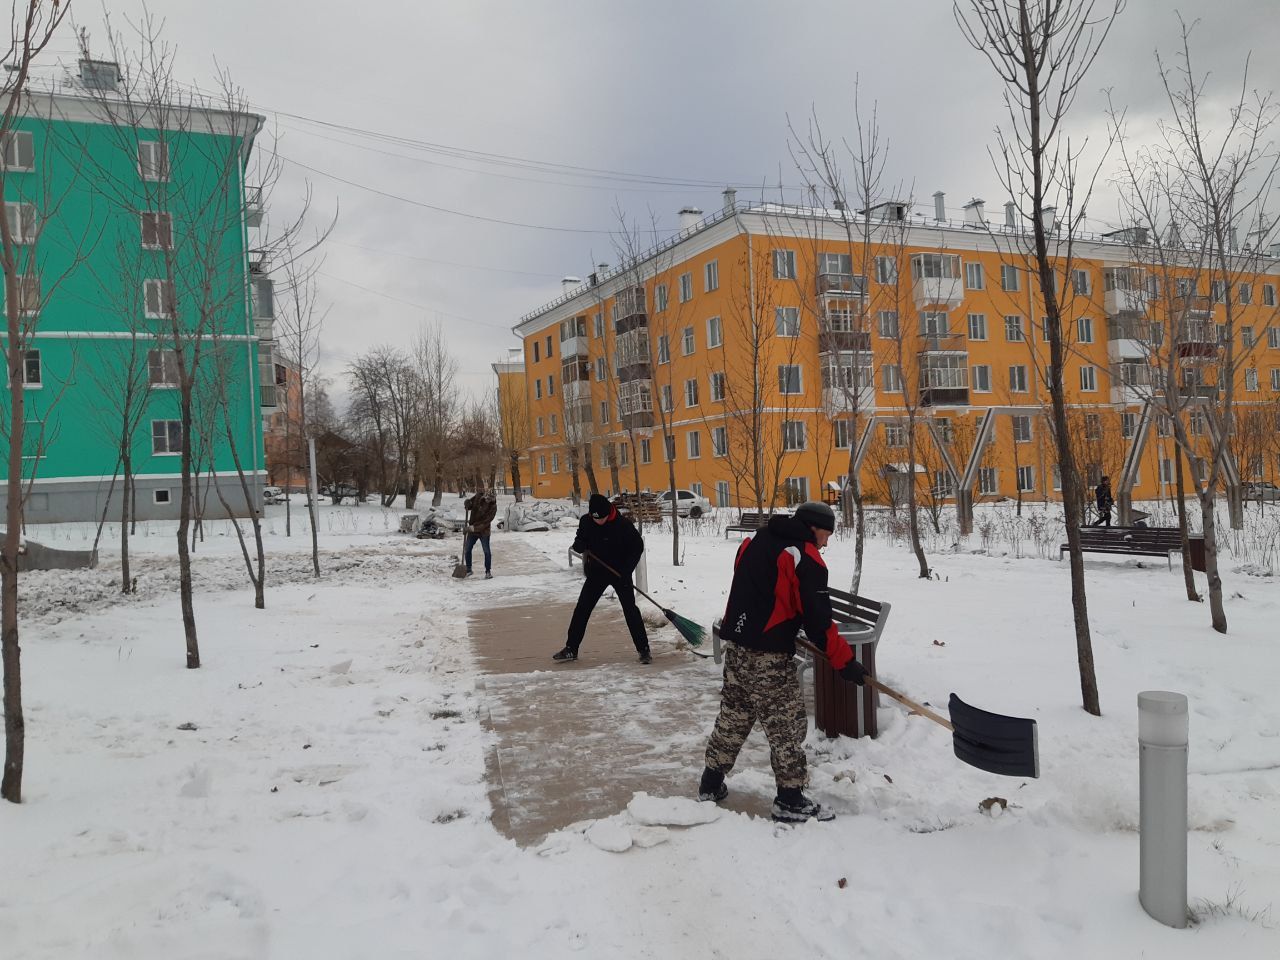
(616, 541)
(779, 585)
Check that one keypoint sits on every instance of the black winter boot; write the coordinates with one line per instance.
(646, 656)
(712, 787)
(568, 653)
(792, 806)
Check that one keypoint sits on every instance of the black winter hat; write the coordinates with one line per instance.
(815, 514)
(599, 506)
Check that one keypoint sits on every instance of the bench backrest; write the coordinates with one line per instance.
(1169, 538)
(846, 607)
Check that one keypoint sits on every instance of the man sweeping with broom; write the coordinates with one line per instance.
(611, 547)
(779, 584)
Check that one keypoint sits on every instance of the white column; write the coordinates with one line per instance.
(1162, 825)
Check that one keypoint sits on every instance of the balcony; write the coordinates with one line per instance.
(1197, 339)
(264, 330)
(253, 206)
(945, 292)
(944, 379)
(575, 390)
(1198, 391)
(1124, 302)
(270, 395)
(837, 399)
(575, 346)
(1189, 308)
(1132, 381)
(841, 284)
(835, 336)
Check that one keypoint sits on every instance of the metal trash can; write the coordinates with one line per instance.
(841, 708)
(1196, 543)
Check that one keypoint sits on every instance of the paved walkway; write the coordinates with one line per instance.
(575, 741)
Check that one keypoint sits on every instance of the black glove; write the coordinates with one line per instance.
(854, 672)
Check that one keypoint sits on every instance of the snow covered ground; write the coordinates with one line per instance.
(318, 788)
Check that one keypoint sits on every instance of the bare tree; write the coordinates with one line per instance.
(1041, 50)
(437, 372)
(386, 394)
(513, 419)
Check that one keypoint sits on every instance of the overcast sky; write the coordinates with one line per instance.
(675, 90)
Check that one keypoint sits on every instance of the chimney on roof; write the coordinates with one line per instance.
(940, 206)
(730, 199)
(690, 217)
(973, 213)
(1234, 240)
(1011, 214)
(568, 283)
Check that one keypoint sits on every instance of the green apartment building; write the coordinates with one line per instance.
(133, 227)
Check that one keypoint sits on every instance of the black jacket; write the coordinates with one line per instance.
(779, 584)
(616, 541)
(1102, 496)
(483, 509)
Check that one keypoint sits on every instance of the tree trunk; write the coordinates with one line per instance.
(615, 476)
(1210, 531)
(515, 475)
(184, 550)
(125, 514)
(590, 469)
(913, 513)
(577, 481)
(1188, 573)
(438, 495)
(14, 721)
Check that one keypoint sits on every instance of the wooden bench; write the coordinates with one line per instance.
(750, 522)
(1130, 541)
(840, 707)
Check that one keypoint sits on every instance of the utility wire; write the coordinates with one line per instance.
(411, 303)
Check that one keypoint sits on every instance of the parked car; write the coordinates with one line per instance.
(1262, 490)
(339, 491)
(272, 495)
(688, 503)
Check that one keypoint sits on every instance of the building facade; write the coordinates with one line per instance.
(133, 237)
(764, 353)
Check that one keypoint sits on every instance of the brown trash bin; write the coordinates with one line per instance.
(1196, 543)
(841, 708)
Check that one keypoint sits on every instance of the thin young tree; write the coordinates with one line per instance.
(1041, 50)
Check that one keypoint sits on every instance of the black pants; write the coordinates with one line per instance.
(592, 590)
(1104, 518)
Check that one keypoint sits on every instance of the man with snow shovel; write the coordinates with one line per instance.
(779, 584)
(612, 539)
(481, 509)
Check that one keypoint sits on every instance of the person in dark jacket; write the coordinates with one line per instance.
(613, 539)
(1104, 501)
(779, 585)
(481, 509)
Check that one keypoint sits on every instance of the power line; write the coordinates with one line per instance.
(447, 263)
(411, 303)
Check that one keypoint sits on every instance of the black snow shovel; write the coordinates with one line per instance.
(460, 568)
(998, 744)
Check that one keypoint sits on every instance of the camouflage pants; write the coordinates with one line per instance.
(762, 687)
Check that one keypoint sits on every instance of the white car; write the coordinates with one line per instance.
(272, 495)
(688, 504)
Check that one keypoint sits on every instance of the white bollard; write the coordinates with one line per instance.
(642, 573)
(1162, 790)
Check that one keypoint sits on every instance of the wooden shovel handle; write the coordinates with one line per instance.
(888, 691)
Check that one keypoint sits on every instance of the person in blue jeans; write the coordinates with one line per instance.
(481, 509)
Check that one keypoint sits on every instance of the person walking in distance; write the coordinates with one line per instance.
(1104, 501)
(779, 584)
(605, 534)
(481, 508)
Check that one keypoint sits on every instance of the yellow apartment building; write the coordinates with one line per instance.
(512, 398)
(765, 352)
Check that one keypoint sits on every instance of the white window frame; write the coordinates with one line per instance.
(664, 349)
(156, 498)
(1275, 378)
(686, 287)
(980, 374)
(1268, 295)
(1029, 473)
(1081, 284)
(893, 382)
(784, 379)
(977, 326)
(660, 296)
(162, 229)
(1084, 330)
(555, 463)
(841, 433)
(688, 342)
(153, 291)
(691, 392)
(1009, 278)
(795, 436)
(153, 160)
(784, 264)
(1088, 378)
(537, 388)
(887, 324)
(715, 333)
(693, 444)
(886, 270)
(22, 221)
(717, 384)
(666, 399)
(988, 481)
(1015, 330)
(1018, 378)
(1022, 428)
(786, 321)
(722, 493)
(719, 441)
(555, 423)
(542, 463)
(895, 435)
(975, 277)
(598, 325)
(28, 356)
(602, 370)
(711, 276)
(18, 146)
(604, 411)
(165, 363)
(1128, 425)
(169, 436)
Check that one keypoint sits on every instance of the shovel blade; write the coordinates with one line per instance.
(460, 570)
(1007, 746)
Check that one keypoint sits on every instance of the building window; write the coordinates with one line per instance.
(1268, 295)
(933, 323)
(693, 443)
(981, 378)
(787, 321)
(604, 411)
(974, 278)
(722, 493)
(886, 270)
(1018, 379)
(1275, 379)
(717, 386)
(555, 423)
(895, 435)
(715, 333)
(784, 264)
(542, 463)
(793, 435)
(841, 434)
(31, 371)
(664, 349)
(686, 287)
(887, 321)
(720, 441)
(1273, 338)
(711, 276)
(669, 448)
(162, 368)
(166, 437)
(687, 341)
(1088, 378)
(1218, 291)
(1244, 293)
(1021, 429)
(977, 326)
(536, 356)
(19, 150)
(1092, 426)
(1128, 425)
(555, 463)
(157, 230)
(1013, 331)
(1080, 282)
(624, 455)
(892, 378)
(1026, 479)
(1084, 328)
(1166, 470)
(1246, 337)
(789, 378)
(1185, 286)
(542, 426)
(599, 325)
(660, 298)
(160, 497)
(153, 160)
(1008, 278)
(537, 389)
(1251, 379)
(988, 484)
(1195, 422)
(797, 490)
(22, 222)
(667, 404)
(691, 393)
(601, 370)
(551, 384)
(158, 299)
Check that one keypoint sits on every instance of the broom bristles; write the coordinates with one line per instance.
(691, 631)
